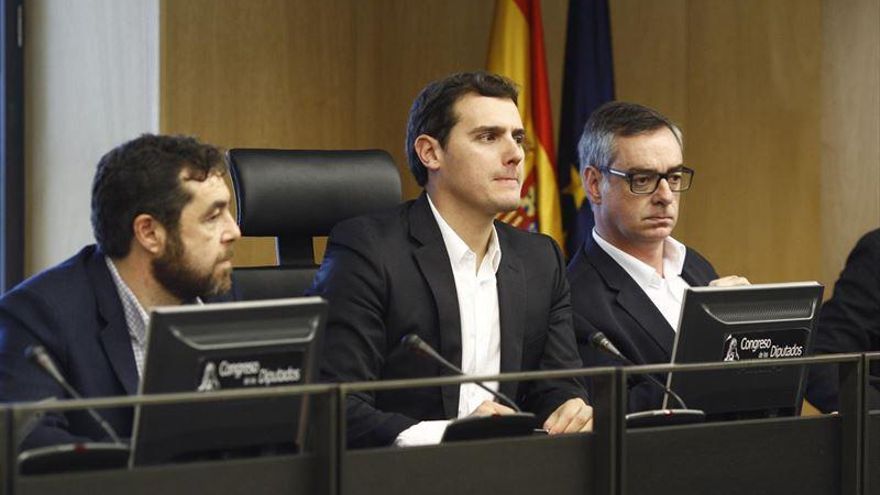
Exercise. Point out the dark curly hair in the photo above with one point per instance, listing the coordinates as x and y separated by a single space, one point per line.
143 176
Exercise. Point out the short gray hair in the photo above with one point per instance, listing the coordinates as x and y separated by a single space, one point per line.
617 118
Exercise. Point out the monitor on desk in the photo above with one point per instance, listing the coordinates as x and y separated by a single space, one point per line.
763 322
227 346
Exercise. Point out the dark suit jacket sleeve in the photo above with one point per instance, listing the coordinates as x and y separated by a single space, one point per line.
27 319
560 348
849 321
353 281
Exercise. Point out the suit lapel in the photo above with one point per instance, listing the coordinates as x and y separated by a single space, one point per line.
512 307
114 336
433 262
692 274
631 297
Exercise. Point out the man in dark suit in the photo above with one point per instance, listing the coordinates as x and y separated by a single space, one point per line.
489 297
629 276
161 218
849 322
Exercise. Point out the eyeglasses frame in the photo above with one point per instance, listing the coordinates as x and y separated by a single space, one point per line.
628 176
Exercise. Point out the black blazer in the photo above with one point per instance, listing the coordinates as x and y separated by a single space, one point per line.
605 298
388 275
849 322
74 311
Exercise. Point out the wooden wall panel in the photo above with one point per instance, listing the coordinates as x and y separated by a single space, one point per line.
850 189
259 73
742 78
753 117
399 50
746 79
650 50
263 73
317 73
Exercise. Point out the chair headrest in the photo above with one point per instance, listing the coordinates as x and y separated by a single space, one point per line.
301 193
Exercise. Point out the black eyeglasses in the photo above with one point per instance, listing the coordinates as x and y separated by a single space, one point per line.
647 182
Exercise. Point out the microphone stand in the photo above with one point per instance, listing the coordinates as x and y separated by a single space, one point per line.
71 456
652 417
476 427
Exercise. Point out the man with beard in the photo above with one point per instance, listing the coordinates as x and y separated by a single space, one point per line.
628 278
164 231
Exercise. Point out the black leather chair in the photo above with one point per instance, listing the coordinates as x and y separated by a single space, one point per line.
296 195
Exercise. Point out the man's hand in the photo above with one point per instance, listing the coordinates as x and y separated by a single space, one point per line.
489 408
729 281
573 416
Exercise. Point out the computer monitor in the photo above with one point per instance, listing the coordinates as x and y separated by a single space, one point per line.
226 346
764 322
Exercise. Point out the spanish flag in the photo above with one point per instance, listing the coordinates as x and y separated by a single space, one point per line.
516 51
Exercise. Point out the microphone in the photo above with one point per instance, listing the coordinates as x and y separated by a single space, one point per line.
38 355
647 418
414 343
601 342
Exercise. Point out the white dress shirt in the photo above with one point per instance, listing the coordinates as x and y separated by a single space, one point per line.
477 291
666 291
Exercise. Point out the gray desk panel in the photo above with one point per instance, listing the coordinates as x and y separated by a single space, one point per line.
283 474
799 456
530 465
872 450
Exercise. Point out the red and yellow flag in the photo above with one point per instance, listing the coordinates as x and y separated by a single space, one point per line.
516 51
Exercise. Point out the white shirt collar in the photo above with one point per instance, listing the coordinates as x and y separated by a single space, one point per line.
456 247
673 261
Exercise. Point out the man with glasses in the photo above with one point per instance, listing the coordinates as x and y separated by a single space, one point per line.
629 277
